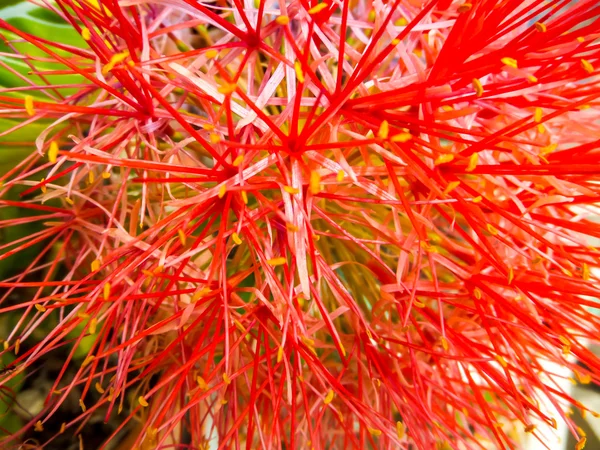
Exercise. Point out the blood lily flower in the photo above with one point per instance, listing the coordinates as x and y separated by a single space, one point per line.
261 224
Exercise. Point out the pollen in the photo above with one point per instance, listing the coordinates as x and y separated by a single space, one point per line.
529 428
222 191
501 361
237 161
106 291
227 88
511 275
492 229
95 265
291 227
226 379
53 152
116 59
276 261
329 397
82 405
244 197
201 383
585 272
93 326
29 105
142 401
40 308
17 346
63 427
214 138
511 62
478 87
182 237
282 20
401 22
395 41
291 190
315 182
85 34
477 293
105 175
532 78
451 186
445 344
400 430
587 66
38 426
444 159
99 388
473 160
279 354
537 116
318 8
87 360
69 201
384 130
236 238
374 431
340 176
401 138
299 73
212 53
91 177
465 7
541 27
581 443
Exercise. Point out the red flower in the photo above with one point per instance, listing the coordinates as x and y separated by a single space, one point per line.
327 225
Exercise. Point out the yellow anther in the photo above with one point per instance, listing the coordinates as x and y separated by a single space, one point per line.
315 182
245 197
384 130
511 275
374 431
587 66
451 186
212 53
511 62
400 430
86 34
585 273
29 105
214 138
473 160
276 261
227 88
82 405
444 159
477 293
237 161
401 22
329 397
105 175
106 292
318 8
279 354
537 116
222 191
182 237
17 346
53 152
226 379
93 326
40 308
201 383
340 176
99 388
445 344
541 27
478 87
95 265
282 20
236 239
465 7
290 190
87 360
501 360
69 201
117 58
492 229
142 401
38 426
299 73
401 138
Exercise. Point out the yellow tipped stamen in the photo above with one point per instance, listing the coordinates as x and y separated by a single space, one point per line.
212 53
17 346
276 261
86 34
477 293
182 237
245 197
473 160
237 161
214 138
87 360
478 87
541 27
315 182
63 427
82 405
580 39
53 152
445 344
5 344
222 191
451 186
585 272
340 176
384 130
227 88
38 426
581 443
374 431
105 175
400 430
69 201
226 379
492 229
529 428
318 8
587 66
142 401
236 238
329 397
201 383
511 275
91 177
95 265
510 62
116 59
40 308
282 20
401 22
279 354
532 78
106 292
29 105
291 227
395 41
99 388
444 159
501 360
465 7
290 190
537 116
401 138
93 326
548 149
299 73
